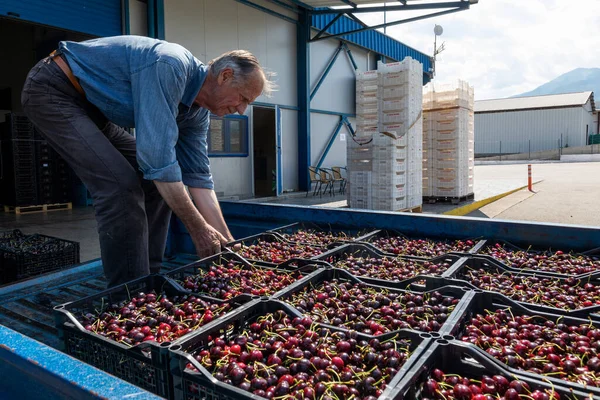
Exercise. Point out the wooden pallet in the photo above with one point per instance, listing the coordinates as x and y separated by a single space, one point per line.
417 209
445 199
38 208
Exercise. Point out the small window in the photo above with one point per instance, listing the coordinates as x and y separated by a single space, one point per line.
228 136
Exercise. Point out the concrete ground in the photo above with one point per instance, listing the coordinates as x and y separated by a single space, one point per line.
568 193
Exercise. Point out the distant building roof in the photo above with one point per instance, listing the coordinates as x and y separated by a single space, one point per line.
535 102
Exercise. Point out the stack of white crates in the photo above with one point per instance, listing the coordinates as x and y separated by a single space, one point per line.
448 142
385 157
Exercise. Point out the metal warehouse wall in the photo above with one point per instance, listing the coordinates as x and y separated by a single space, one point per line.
337 94
540 129
208 29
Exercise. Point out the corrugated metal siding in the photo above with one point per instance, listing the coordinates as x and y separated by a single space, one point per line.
541 129
524 103
94 17
372 39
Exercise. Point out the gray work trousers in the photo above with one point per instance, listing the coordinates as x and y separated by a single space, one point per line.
132 217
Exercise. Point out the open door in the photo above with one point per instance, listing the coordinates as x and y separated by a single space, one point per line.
264 131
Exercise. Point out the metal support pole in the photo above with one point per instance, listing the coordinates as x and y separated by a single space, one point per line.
529 149
303 85
349 52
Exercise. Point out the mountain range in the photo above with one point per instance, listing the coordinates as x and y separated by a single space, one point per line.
577 80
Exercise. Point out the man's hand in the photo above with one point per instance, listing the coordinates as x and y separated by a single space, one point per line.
208 241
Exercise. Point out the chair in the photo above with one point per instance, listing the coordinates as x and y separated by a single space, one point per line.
317 179
337 177
328 179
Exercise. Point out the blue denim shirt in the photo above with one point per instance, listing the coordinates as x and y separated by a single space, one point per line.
151 85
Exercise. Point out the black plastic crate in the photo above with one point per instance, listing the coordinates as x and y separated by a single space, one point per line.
34 255
453 357
266 239
179 275
317 231
487 304
467 270
399 279
528 265
146 364
18 185
14 234
450 245
312 285
200 384
16 126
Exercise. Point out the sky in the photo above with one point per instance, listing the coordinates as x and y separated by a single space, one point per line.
506 47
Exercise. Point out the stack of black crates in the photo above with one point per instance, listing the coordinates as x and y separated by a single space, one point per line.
31 172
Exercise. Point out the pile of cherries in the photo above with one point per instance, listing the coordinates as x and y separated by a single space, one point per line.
278 252
453 386
225 281
315 237
151 317
559 261
402 245
278 357
568 294
370 310
388 268
539 345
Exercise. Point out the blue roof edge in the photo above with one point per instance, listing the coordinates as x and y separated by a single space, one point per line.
372 40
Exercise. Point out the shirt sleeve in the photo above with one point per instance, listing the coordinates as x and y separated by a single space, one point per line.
157 91
192 151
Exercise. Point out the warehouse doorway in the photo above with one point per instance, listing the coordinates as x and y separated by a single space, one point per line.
32 176
266 152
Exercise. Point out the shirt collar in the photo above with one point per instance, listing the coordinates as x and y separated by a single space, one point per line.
193 87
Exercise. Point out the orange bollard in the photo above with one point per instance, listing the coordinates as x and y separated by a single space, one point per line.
529 177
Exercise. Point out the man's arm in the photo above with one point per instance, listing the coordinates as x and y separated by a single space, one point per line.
207 239
208 205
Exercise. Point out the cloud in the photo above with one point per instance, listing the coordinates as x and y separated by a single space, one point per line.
506 47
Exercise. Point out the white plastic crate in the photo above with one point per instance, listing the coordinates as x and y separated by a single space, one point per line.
366 98
389 178
394 78
394 117
362 204
389 165
367 121
367 75
394 92
389 191
369 86
362 165
367 109
390 204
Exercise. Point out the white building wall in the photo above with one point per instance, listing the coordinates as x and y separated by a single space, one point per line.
321 128
542 128
336 94
209 28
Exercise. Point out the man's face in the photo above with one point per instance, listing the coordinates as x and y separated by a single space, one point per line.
231 97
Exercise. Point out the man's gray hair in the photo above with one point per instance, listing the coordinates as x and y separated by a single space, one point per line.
243 63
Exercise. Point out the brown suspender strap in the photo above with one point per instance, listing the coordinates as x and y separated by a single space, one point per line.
67 71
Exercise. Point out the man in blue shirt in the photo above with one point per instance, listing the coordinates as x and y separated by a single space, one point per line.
83 96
